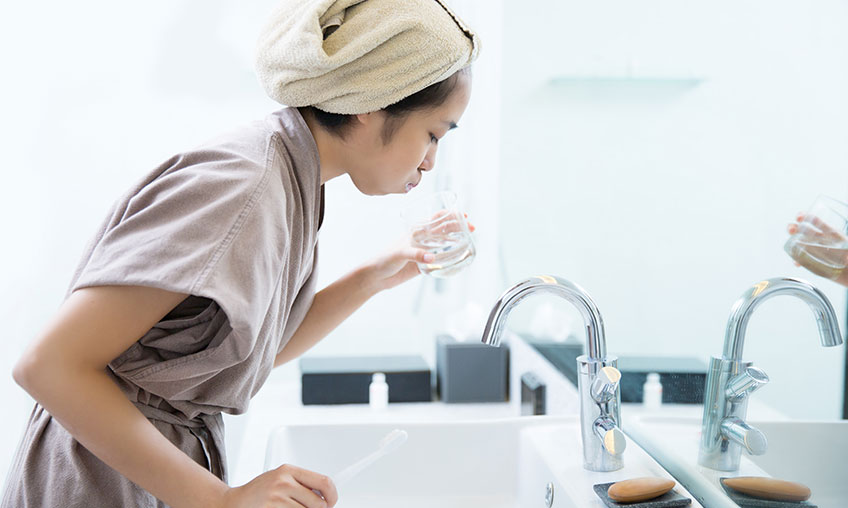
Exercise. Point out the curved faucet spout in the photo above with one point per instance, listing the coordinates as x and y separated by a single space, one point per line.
734 339
595 340
597 374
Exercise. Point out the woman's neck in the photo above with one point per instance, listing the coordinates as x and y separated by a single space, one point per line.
330 150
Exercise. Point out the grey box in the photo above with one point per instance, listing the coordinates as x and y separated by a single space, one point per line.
471 371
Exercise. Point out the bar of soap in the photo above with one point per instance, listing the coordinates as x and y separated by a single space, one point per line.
639 489
769 488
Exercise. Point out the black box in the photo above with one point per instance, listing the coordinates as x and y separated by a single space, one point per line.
683 379
345 380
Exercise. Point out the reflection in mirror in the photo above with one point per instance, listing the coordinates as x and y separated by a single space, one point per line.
662 176
663 164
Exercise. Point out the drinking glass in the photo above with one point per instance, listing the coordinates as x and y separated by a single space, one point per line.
437 225
820 243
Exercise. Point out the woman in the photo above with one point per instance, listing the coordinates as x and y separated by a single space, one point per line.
202 277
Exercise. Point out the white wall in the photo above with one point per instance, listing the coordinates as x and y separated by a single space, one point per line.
666 200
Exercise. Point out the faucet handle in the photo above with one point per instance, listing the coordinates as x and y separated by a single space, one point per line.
750 438
611 437
605 384
744 384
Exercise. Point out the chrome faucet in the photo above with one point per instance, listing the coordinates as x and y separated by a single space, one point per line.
724 432
598 377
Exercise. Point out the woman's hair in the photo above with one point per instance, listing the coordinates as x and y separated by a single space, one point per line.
431 97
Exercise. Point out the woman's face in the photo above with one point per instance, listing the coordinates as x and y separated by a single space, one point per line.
398 166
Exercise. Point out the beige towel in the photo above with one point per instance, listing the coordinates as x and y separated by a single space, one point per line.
359 56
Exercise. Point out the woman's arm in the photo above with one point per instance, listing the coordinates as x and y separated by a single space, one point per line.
65 371
339 300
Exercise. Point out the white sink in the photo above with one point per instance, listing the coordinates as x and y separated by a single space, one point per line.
812 453
505 463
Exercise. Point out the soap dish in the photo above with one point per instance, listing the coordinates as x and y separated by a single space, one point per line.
670 499
746 501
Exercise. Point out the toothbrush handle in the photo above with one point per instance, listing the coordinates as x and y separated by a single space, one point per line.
349 472
354 469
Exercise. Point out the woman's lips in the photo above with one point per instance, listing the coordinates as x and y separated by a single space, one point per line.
412 185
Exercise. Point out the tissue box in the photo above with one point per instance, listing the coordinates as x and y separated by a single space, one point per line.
345 380
471 371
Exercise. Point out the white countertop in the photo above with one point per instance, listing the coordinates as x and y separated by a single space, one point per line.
278 403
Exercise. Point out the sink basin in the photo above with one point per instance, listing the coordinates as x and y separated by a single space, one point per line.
506 463
811 453
445 465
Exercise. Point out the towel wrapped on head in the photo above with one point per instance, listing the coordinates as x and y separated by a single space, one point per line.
358 56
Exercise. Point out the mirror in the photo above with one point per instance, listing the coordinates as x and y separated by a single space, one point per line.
656 160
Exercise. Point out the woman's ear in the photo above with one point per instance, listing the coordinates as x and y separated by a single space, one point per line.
366 119
369 123
375 118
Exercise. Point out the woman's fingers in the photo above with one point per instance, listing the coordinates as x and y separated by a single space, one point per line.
820 226
284 487
443 227
413 254
422 256
308 497
308 482
444 219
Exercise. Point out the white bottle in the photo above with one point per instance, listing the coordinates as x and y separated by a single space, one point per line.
652 392
378 392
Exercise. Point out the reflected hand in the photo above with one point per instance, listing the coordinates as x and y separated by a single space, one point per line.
810 225
820 249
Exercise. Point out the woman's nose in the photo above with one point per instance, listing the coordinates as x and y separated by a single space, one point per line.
429 161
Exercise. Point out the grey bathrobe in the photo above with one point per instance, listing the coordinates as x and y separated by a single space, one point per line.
234 224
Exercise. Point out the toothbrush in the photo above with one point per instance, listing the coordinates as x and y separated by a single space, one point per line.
390 443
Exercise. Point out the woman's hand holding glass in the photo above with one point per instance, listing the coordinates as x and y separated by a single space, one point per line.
437 226
403 263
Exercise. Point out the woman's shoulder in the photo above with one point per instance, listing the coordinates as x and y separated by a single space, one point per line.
281 138
292 135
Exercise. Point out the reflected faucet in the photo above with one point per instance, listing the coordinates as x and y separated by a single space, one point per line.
598 378
724 432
